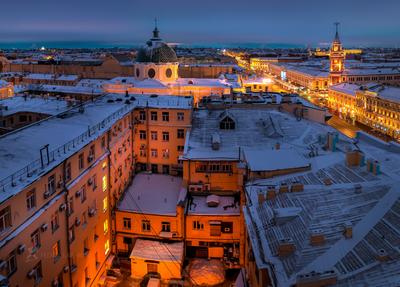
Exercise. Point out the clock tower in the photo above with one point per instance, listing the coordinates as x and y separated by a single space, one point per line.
336 57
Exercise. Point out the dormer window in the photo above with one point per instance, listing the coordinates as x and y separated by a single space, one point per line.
227 123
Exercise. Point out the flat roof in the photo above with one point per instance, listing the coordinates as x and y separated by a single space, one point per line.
346 88
227 205
157 250
269 160
153 194
34 104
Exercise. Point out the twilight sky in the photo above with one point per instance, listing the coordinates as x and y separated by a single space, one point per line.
308 22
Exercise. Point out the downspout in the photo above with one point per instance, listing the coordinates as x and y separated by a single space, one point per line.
64 187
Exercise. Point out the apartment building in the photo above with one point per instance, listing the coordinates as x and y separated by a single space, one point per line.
61 177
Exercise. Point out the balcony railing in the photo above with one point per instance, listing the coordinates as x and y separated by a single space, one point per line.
36 166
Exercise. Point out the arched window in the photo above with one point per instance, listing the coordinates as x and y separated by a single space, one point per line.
227 124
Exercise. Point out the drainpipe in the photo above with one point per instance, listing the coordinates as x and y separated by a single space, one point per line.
65 190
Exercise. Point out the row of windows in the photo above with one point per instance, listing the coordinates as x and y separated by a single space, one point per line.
146 226
164 116
180 134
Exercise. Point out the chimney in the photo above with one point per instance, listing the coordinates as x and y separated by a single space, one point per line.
348 230
286 247
283 187
317 237
261 198
296 187
277 146
271 192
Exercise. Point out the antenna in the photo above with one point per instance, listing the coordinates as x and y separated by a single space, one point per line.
337 26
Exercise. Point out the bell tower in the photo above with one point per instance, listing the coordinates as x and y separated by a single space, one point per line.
336 58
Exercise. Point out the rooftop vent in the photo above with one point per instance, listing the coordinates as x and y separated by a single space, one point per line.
261 197
296 187
283 187
348 230
215 141
382 255
327 278
357 188
212 200
317 237
286 247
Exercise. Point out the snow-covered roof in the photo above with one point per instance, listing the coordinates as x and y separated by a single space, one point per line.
389 93
256 128
373 212
269 159
227 205
35 104
157 250
20 150
4 84
346 88
152 194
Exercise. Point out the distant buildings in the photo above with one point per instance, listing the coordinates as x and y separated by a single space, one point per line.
6 89
318 75
374 105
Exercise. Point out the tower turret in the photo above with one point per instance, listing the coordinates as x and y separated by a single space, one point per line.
336 57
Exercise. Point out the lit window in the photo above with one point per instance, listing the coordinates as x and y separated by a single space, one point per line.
56 250
105 204
104 183
104 165
105 226
107 247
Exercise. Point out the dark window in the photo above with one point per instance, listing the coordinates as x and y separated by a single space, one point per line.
145 225
227 124
181 134
127 223
165 116
165 226
137 73
151 73
142 115
168 73
153 116
165 136
142 135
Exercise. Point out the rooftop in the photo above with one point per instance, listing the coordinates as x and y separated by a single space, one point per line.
153 194
255 128
157 250
346 88
227 205
65 135
334 196
34 104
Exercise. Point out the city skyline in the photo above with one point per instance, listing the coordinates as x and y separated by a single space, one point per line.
127 24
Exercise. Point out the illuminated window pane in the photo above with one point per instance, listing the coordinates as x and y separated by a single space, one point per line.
105 183
105 204
107 247
105 226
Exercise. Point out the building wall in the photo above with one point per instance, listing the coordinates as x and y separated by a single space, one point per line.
136 230
158 154
18 120
198 172
6 91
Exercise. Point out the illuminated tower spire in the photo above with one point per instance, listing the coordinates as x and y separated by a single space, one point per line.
336 58
337 39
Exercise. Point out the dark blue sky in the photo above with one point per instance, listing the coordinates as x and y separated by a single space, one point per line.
308 22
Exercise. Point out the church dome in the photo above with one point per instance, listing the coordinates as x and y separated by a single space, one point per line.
156 51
